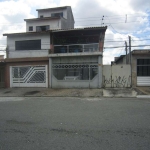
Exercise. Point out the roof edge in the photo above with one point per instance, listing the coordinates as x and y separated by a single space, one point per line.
58 30
52 8
44 18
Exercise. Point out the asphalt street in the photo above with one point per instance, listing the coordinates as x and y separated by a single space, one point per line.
59 123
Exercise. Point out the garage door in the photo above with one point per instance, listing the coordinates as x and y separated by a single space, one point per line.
143 81
28 76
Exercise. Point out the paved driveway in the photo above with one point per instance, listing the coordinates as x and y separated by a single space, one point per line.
74 124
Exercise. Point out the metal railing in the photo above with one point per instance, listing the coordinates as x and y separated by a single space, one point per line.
76 48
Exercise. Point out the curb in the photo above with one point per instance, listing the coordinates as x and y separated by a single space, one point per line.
143 96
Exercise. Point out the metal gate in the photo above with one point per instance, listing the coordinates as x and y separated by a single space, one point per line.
83 75
28 76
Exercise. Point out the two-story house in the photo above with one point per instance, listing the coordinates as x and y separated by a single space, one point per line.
52 53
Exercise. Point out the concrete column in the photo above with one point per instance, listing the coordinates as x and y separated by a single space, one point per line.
134 72
101 41
100 73
50 72
52 48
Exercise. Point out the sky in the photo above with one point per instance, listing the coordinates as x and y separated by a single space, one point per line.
122 18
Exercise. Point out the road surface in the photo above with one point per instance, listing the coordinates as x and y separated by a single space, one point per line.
59 123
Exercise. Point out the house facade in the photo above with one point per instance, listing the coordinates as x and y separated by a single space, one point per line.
140 66
52 53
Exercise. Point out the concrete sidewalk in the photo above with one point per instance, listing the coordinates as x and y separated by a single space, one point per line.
48 92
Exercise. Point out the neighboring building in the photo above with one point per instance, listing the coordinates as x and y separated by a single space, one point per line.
119 60
140 66
1 57
55 56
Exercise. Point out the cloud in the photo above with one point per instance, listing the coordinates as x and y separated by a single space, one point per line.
139 5
11 15
123 18
39 4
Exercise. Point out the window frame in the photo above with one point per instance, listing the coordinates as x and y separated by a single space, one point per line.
30 28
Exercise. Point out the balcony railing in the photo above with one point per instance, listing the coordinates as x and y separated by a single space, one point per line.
76 48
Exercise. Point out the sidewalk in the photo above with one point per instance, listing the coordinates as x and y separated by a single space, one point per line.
38 92
48 92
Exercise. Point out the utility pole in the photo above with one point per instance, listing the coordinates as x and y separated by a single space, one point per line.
126 52
130 48
130 57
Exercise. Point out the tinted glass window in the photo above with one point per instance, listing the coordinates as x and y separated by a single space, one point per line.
28 45
42 28
143 61
143 67
31 28
57 14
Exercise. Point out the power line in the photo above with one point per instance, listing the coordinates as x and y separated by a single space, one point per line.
115 15
142 40
81 48
110 18
111 23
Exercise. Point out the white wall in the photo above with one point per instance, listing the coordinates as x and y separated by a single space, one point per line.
116 76
45 45
54 24
70 18
63 23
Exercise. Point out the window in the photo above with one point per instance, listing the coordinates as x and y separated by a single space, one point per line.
143 67
42 28
28 45
57 14
75 71
30 28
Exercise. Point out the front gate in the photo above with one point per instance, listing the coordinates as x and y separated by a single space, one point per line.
28 76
